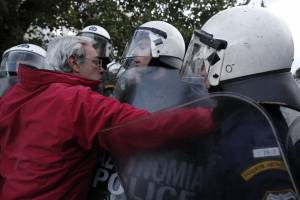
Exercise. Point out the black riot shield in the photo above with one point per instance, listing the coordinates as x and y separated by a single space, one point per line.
217 147
106 184
148 87
155 88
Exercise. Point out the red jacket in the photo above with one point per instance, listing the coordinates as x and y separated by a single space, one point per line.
48 125
51 125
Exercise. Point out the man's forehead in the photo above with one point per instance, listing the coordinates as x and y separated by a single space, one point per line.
90 50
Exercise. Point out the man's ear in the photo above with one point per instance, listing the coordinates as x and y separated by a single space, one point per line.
73 63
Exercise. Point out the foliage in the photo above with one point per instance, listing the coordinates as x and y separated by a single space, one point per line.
119 17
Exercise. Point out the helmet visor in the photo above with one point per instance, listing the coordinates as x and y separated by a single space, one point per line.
201 55
11 61
102 45
144 46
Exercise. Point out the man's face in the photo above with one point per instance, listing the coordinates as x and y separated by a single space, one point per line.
90 68
141 53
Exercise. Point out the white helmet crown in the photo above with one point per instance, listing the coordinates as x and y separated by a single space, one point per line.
174 45
28 48
257 42
165 43
28 54
98 30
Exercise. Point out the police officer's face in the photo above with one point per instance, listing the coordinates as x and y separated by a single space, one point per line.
141 53
204 74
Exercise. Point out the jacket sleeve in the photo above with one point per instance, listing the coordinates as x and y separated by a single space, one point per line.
144 131
158 129
92 113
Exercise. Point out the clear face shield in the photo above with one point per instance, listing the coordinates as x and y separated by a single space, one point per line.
145 44
11 61
201 56
103 47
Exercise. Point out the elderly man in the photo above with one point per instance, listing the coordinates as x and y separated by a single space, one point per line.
51 124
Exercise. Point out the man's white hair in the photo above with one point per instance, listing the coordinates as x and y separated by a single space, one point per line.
61 48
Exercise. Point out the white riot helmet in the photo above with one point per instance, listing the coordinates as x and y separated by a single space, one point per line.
247 50
158 41
103 41
115 68
28 54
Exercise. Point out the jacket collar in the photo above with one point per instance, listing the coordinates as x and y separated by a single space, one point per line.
33 78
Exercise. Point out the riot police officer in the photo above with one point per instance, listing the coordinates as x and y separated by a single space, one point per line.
103 43
249 51
151 80
28 54
152 60
104 48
